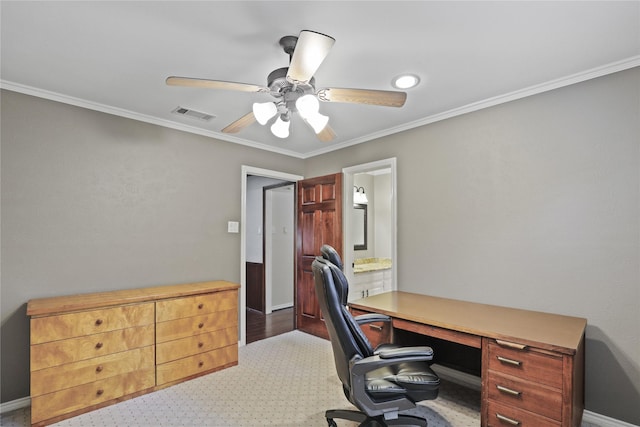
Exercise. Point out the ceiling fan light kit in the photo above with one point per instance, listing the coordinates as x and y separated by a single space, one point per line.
294 89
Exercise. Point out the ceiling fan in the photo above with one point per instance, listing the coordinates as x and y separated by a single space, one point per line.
293 88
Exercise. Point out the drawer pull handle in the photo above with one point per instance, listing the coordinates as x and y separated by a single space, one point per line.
100 392
509 361
200 364
376 327
509 391
99 368
508 420
511 345
200 325
98 322
200 306
99 345
200 344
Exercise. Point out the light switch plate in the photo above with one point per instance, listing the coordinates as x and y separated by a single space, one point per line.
233 227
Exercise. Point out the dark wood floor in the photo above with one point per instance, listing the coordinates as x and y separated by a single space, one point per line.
261 326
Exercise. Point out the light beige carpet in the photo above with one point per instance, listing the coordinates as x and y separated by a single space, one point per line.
287 380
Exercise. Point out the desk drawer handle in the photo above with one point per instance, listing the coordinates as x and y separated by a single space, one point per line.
509 391
200 306
509 361
511 345
508 420
376 327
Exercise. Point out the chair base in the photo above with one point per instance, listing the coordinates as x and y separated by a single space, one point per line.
366 421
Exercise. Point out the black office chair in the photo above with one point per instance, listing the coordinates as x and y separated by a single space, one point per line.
382 383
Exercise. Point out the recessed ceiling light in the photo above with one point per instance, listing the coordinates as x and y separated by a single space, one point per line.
405 81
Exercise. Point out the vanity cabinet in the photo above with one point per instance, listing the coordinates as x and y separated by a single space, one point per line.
93 350
370 283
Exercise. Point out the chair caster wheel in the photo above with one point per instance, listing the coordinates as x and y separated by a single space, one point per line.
331 422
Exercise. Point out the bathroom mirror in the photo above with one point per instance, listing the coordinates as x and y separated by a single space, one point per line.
359 227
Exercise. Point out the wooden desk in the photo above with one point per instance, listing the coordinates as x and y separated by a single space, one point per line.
532 362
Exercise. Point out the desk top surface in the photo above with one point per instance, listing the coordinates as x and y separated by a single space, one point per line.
549 331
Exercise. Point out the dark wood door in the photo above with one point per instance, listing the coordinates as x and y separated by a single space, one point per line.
319 222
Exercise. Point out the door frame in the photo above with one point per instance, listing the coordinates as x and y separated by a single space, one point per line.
245 172
347 195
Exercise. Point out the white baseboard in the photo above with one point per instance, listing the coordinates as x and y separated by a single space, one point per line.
602 421
467 380
15 404
282 306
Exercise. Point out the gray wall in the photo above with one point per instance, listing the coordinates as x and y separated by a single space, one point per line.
531 204
94 202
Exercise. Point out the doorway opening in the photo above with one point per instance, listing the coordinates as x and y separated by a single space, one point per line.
266 233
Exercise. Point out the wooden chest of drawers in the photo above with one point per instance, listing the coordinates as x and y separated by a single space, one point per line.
93 350
196 334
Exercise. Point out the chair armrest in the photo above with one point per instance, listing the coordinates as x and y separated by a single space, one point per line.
359 367
393 353
364 319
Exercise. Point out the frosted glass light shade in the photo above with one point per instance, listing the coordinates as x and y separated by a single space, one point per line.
280 128
317 122
264 111
307 105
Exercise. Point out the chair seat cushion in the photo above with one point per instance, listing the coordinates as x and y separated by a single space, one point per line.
416 380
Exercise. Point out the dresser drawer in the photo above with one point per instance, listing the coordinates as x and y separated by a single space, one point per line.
51 405
196 305
182 328
74 349
87 371
528 364
499 415
525 395
177 349
63 326
197 364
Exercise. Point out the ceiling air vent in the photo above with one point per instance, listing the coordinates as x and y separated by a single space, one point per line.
181 111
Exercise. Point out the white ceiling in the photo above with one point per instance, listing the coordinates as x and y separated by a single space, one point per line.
115 56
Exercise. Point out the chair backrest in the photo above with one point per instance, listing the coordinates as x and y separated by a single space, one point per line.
347 339
330 254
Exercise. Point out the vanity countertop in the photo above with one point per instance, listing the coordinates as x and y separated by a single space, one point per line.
363 265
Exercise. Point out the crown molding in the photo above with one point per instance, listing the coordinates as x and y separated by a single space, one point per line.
593 73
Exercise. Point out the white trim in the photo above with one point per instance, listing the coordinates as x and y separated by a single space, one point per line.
282 306
593 73
23 402
603 421
95 106
245 172
347 200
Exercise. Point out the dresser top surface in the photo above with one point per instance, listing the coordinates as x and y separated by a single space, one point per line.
67 303
550 331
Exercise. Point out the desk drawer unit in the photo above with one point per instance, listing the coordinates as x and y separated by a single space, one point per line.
89 357
524 386
376 332
196 335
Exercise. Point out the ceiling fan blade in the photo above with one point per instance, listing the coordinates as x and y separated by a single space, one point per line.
327 134
240 124
386 98
214 84
311 49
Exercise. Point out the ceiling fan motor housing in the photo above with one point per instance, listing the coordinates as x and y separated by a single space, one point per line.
280 87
